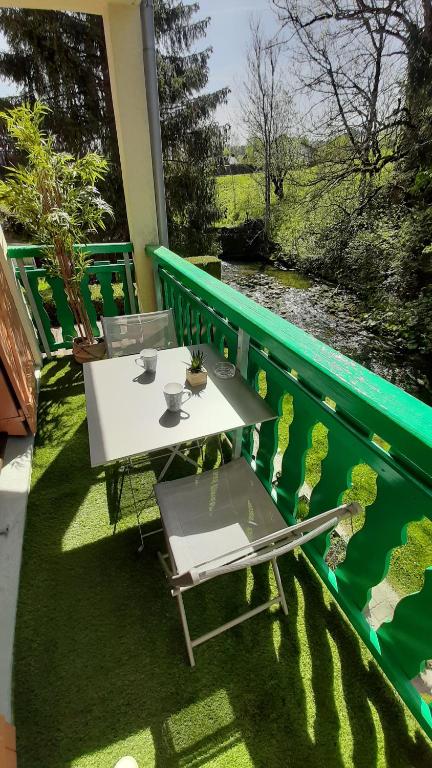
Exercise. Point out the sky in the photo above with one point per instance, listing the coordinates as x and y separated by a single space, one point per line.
5 88
228 35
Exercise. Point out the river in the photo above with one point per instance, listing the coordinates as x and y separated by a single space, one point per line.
331 315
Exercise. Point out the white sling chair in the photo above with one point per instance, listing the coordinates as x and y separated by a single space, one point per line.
129 334
222 521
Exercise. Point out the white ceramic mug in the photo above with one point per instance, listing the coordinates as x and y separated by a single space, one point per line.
174 396
147 359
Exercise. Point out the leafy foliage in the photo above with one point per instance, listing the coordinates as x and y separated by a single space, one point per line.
197 360
192 141
60 58
54 196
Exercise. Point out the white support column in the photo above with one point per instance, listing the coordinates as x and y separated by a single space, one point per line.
124 45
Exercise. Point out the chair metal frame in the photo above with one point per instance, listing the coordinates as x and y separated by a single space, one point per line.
266 549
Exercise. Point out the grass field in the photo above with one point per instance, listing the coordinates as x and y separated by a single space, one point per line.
294 218
100 668
240 197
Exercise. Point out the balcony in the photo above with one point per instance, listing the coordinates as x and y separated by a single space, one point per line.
100 668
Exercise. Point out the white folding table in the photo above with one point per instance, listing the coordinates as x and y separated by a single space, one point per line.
126 409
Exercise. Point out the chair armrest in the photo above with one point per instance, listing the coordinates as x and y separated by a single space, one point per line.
267 547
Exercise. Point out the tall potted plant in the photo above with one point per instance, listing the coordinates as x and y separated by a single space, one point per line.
53 195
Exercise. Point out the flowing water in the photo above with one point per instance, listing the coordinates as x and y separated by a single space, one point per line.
331 315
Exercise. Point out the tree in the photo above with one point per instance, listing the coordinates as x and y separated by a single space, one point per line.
374 60
266 113
285 157
366 66
54 196
192 141
348 62
60 58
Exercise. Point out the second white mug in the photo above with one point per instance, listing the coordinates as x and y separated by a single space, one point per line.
148 360
174 395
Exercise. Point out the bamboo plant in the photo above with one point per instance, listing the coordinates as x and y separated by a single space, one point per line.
55 198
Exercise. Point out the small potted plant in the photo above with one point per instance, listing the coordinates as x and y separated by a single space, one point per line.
55 198
196 374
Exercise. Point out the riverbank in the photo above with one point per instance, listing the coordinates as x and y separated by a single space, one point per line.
332 315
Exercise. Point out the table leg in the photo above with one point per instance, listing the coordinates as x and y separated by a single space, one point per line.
112 472
237 440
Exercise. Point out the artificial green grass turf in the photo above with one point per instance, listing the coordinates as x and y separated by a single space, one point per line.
100 663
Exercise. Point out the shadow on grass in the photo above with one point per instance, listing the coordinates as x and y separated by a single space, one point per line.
100 659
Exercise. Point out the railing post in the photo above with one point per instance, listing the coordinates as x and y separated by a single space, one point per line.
157 285
242 359
35 311
243 340
129 283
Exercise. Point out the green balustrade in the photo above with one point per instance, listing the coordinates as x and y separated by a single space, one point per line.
352 405
102 273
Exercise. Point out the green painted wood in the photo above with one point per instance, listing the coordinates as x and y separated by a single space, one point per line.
63 310
109 306
92 249
174 302
268 435
103 271
367 560
350 426
408 637
377 405
187 320
293 462
210 323
231 343
218 336
195 323
178 312
400 500
166 293
163 289
126 297
33 278
335 478
205 330
420 709
171 303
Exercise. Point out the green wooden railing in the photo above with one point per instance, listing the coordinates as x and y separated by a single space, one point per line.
103 273
355 406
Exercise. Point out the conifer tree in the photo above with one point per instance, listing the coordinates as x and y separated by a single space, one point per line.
60 59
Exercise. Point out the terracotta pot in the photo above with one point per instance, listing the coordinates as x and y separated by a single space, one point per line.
87 352
198 379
